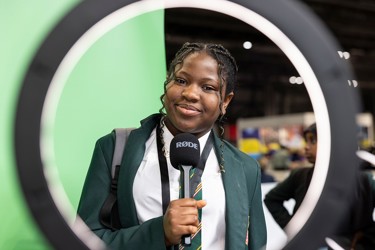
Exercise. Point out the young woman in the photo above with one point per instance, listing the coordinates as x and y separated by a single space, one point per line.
198 89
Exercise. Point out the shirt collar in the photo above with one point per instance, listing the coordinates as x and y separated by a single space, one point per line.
167 136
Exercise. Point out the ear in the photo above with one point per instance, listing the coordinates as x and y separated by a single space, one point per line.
227 100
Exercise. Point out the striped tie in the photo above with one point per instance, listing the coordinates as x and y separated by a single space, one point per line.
195 181
195 238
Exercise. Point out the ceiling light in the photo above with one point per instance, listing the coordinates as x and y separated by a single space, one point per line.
292 79
247 45
299 80
344 54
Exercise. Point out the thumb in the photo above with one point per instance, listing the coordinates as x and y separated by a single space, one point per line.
201 203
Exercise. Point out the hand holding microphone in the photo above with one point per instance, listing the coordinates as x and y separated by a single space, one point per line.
184 155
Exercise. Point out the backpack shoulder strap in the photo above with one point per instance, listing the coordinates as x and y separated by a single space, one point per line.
121 138
109 216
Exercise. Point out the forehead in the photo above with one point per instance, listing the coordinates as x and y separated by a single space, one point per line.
200 58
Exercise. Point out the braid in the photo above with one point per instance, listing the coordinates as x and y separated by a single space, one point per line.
227 71
227 65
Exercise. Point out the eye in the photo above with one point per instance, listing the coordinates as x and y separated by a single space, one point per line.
209 88
311 141
180 81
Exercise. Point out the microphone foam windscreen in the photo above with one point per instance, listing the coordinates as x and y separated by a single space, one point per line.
184 150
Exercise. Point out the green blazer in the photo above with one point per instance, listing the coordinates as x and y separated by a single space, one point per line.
244 212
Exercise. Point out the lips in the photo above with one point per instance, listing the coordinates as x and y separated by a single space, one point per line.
188 110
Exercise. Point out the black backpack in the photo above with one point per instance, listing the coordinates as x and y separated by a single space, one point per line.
109 215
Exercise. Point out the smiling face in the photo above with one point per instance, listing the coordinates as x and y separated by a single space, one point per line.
192 99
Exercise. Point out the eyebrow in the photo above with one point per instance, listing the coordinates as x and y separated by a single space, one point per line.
184 73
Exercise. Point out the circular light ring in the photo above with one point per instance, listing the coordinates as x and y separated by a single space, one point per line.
324 74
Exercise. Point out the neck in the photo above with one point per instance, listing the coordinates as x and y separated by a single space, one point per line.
175 131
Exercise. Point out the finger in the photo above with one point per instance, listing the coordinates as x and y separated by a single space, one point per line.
182 215
188 229
173 233
185 202
182 219
192 229
181 211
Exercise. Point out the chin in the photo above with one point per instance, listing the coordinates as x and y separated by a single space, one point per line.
311 161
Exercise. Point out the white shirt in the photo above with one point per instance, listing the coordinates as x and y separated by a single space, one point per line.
147 190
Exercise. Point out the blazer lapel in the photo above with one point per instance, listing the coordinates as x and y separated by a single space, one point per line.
133 155
237 209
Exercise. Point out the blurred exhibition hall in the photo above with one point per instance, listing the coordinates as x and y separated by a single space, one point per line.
272 107
271 97
58 98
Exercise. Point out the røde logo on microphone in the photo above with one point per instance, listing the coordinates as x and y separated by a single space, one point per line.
186 144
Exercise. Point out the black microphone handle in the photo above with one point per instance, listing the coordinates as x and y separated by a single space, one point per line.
186 239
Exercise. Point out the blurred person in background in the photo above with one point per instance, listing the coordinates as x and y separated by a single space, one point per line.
295 185
357 230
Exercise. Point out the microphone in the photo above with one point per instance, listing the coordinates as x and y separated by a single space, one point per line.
185 155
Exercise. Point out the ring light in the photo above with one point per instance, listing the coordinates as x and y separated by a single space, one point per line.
293 28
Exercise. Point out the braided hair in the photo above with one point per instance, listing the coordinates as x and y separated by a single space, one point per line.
227 70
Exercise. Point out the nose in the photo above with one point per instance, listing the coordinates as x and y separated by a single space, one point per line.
191 92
